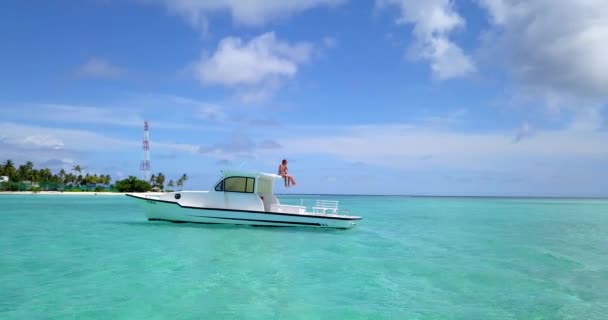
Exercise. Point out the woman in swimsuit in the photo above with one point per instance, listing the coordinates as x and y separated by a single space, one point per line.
284 173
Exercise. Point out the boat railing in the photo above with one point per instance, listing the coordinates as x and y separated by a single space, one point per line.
326 206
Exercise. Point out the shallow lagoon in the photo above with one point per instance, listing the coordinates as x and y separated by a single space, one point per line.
95 257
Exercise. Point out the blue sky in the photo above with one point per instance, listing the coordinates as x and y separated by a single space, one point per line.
484 97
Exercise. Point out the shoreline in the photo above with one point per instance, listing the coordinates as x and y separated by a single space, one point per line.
84 193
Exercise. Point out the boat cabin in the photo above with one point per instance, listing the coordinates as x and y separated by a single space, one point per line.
247 188
237 190
241 190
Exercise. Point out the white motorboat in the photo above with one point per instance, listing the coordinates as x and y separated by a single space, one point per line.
242 197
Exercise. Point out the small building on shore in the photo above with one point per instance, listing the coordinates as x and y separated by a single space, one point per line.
3 179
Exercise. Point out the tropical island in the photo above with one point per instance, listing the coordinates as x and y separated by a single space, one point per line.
26 177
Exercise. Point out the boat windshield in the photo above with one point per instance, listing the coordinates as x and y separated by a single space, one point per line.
236 184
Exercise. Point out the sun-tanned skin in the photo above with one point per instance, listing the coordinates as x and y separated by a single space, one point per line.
283 172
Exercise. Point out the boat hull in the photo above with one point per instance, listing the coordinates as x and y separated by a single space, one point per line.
160 210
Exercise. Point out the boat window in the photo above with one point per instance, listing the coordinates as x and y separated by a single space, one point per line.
220 186
238 184
249 186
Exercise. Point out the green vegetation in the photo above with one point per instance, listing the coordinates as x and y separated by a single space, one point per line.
27 178
132 184
181 181
158 181
10 186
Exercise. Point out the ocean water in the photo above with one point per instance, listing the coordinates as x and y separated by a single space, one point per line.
96 257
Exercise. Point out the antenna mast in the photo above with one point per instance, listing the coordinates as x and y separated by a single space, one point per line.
145 163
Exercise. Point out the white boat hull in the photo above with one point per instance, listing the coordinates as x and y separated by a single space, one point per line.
173 211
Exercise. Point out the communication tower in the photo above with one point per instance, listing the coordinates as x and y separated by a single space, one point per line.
145 163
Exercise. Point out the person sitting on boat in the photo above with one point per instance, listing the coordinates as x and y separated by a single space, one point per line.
284 173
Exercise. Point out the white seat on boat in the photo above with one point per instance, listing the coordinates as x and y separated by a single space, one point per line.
325 206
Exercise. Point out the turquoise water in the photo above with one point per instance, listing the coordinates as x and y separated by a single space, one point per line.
95 257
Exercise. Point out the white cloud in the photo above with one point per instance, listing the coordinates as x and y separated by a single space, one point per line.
265 57
176 147
407 146
588 119
58 148
32 141
255 67
80 114
556 50
99 68
26 136
247 13
113 114
53 147
239 146
227 116
433 21
49 139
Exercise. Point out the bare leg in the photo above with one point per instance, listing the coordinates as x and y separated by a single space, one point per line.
293 182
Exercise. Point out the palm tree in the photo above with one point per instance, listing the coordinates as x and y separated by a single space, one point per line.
160 180
181 181
25 171
45 175
30 173
9 164
35 176
104 179
170 184
153 180
70 178
62 176
77 168
9 170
